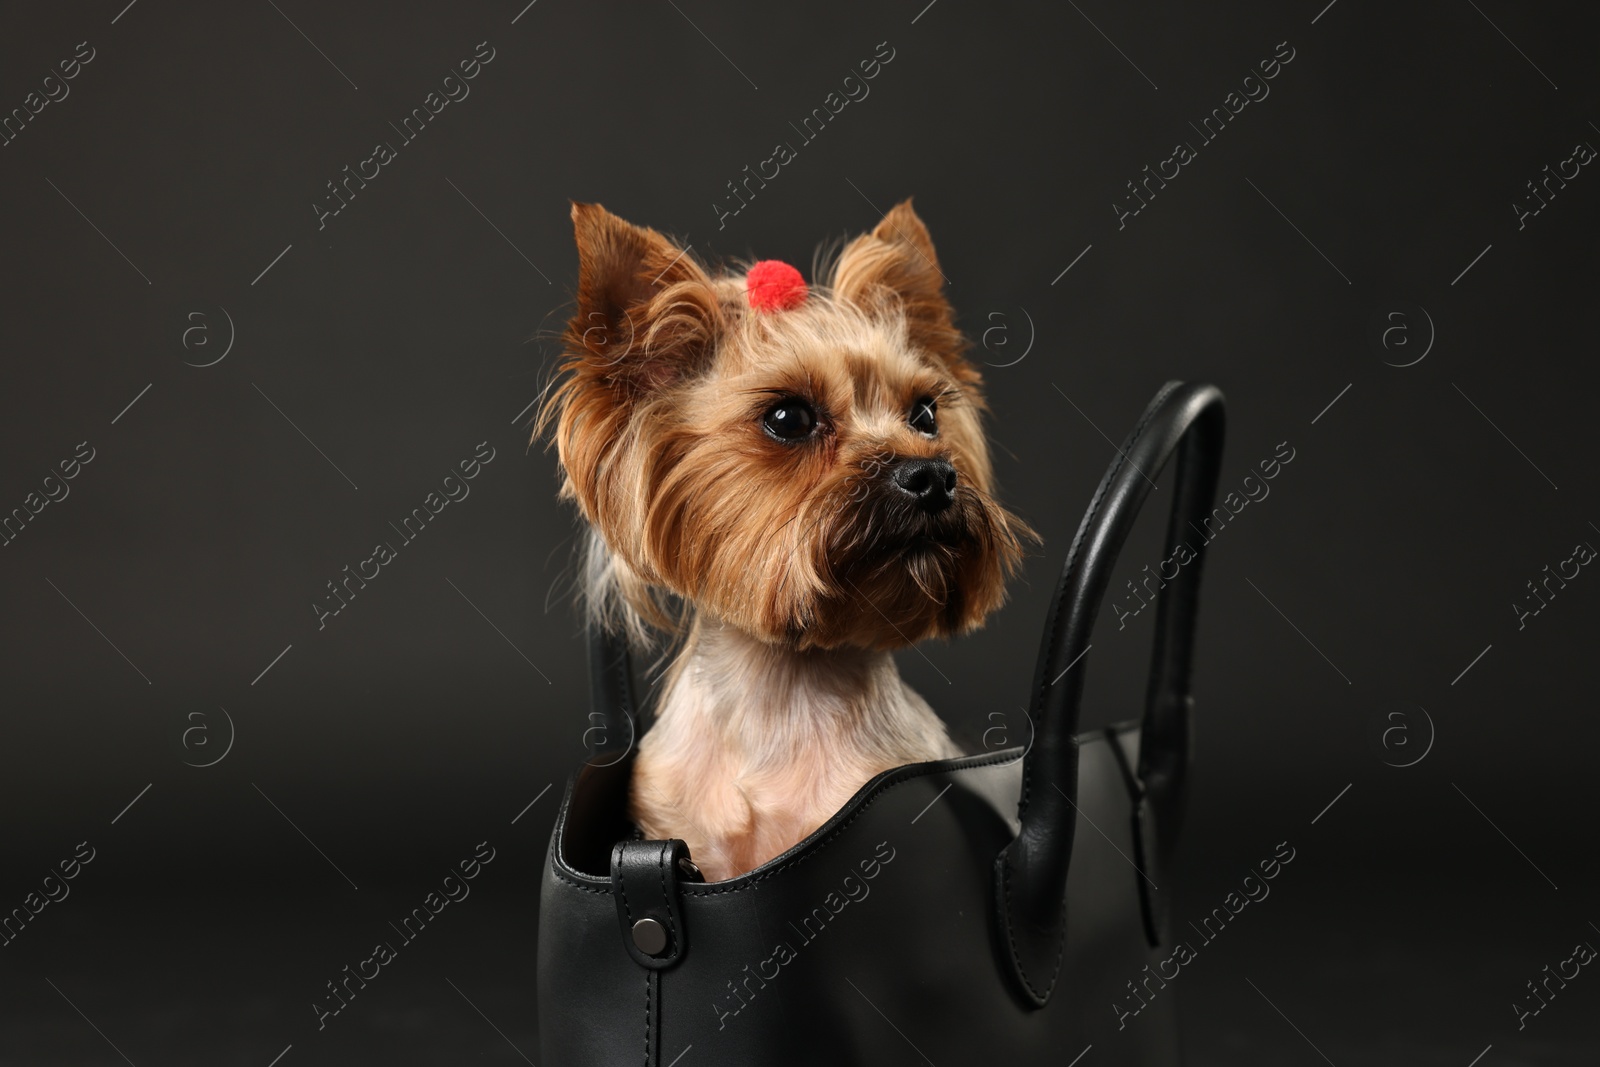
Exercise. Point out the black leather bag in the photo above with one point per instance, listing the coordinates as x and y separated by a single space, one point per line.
951 912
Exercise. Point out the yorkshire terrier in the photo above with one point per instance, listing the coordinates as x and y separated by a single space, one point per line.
792 482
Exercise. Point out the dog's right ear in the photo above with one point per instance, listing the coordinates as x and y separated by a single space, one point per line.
647 314
647 317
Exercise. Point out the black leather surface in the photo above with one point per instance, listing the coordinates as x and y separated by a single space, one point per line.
876 968
1030 872
615 720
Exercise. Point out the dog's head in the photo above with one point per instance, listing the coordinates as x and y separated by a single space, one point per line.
808 467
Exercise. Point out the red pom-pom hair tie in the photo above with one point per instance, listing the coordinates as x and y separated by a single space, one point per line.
773 285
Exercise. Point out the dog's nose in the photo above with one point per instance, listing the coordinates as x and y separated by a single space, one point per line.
930 482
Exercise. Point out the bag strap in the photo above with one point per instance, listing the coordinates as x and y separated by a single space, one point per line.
644 885
612 712
1031 872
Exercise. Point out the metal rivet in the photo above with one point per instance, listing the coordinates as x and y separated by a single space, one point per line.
650 937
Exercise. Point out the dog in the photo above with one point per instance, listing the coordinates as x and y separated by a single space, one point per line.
787 482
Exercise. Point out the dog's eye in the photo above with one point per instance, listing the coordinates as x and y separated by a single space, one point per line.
923 416
790 419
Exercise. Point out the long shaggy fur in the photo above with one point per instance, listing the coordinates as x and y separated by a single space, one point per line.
796 562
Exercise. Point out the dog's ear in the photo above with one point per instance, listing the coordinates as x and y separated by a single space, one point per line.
895 268
646 311
647 317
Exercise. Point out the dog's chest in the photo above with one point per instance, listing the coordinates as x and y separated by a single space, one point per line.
745 760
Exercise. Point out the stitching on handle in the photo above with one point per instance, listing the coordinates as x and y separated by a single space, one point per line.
622 886
1113 739
1011 937
662 859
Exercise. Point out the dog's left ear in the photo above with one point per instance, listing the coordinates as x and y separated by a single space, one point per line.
895 267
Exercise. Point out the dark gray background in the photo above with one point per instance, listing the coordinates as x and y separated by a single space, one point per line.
188 554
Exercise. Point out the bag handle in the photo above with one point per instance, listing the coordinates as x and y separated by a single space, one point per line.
1031 872
611 695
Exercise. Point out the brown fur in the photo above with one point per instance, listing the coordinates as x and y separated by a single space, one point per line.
799 565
